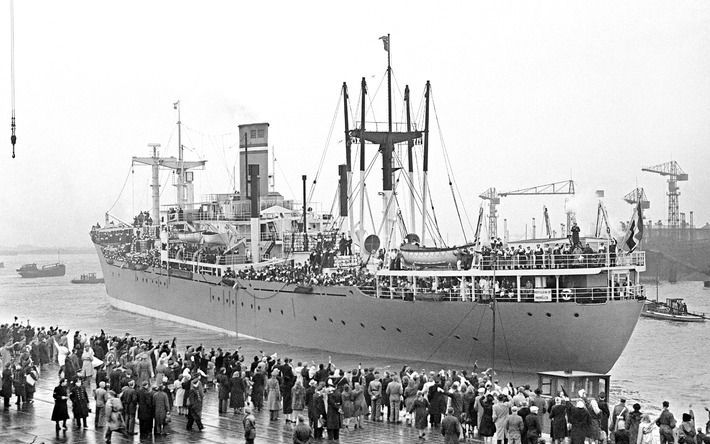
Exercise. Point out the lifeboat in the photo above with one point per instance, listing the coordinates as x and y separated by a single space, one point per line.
213 238
193 237
430 256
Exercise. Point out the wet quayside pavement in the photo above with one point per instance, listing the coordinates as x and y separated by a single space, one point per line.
32 422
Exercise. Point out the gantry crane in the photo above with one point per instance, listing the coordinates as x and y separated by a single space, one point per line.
675 174
493 198
636 196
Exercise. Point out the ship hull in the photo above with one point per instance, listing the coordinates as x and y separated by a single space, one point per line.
530 337
59 270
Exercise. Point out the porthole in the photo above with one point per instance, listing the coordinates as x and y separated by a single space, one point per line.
218 299
529 314
549 315
258 307
315 318
252 306
383 328
331 320
282 312
362 325
233 302
398 330
475 339
242 303
576 315
269 309
342 322
457 337
431 334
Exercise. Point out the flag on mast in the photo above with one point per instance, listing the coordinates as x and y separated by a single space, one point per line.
634 233
386 41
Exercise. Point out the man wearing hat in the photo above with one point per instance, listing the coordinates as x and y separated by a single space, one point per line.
161 409
145 409
194 411
129 398
620 412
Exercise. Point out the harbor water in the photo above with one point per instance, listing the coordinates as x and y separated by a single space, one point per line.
662 361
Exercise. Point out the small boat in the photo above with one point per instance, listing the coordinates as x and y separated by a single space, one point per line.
32 271
213 238
88 278
431 256
2 264
193 237
674 309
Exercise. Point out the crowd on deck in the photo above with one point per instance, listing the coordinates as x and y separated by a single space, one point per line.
127 381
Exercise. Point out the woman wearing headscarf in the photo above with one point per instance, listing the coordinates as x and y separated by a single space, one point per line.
420 408
273 395
360 403
298 396
558 421
333 421
579 421
686 430
237 390
60 411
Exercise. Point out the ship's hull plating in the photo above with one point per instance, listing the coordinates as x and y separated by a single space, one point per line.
530 337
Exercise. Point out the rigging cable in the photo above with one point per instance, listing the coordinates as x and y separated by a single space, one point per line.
325 150
13 137
505 343
130 170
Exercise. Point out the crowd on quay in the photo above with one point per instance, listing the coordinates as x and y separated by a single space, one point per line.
140 381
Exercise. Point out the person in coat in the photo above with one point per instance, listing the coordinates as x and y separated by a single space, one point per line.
487 428
633 423
514 426
360 404
451 427
223 389
6 389
60 413
558 421
410 395
145 410
161 409
532 425
129 398
436 400
288 379
333 421
298 397
18 384
374 390
394 394
237 387
316 408
420 407
194 410
114 416
273 396
501 410
100 397
579 421
348 405
79 403
257 389
87 366
302 433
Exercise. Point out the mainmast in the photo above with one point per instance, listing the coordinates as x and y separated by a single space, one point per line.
13 137
348 161
181 165
410 164
425 185
361 237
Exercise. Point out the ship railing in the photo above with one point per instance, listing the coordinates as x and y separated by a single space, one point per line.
557 261
588 295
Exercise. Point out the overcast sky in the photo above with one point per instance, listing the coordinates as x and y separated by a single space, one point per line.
526 93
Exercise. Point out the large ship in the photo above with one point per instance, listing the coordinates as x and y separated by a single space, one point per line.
253 263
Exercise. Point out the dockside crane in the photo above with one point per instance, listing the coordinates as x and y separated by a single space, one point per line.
636 196
493 198
675 174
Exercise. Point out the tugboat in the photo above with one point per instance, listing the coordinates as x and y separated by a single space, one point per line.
50 270
674 309
88 278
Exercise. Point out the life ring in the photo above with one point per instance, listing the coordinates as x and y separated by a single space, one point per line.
566 294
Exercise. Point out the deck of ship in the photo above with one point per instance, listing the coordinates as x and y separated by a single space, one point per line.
22 426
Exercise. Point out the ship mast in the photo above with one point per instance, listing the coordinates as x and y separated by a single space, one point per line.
348 161
425 184
361 237
181 164
13 137
410 165
387 148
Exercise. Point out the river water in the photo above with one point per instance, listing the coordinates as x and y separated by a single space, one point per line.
662 361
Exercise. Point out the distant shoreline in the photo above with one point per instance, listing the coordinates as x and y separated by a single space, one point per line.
15 252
